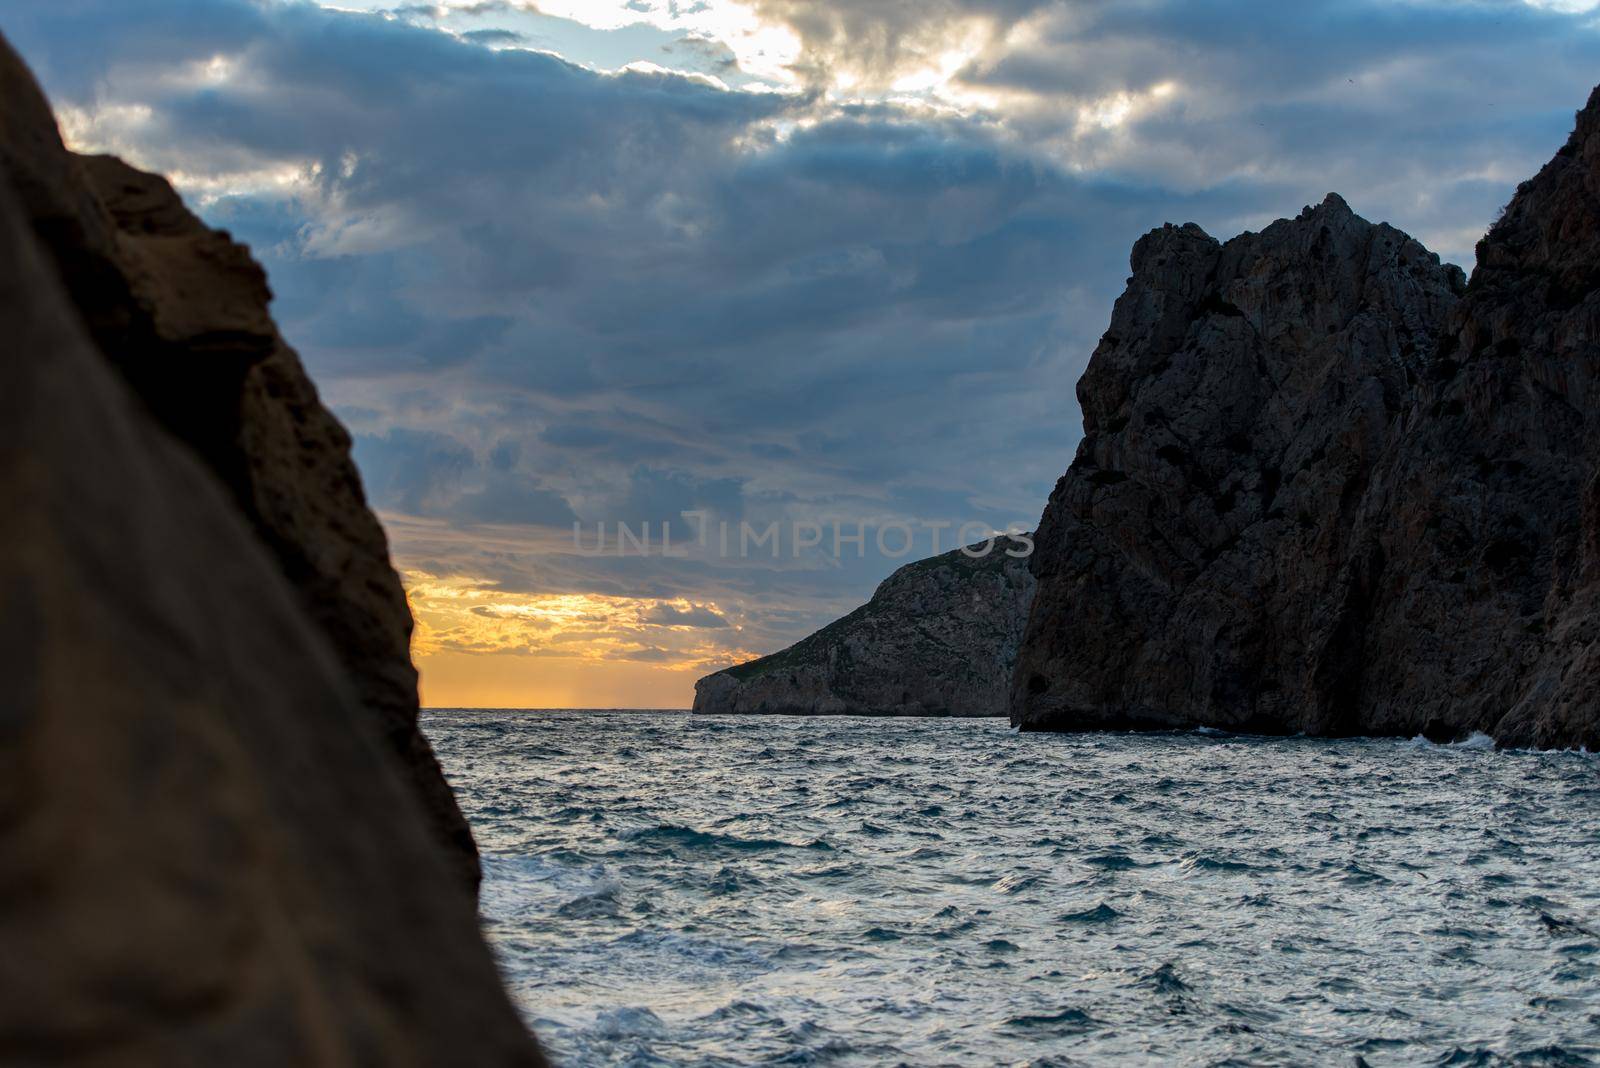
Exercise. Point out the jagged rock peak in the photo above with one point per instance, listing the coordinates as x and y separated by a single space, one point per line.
1233 412
1332 205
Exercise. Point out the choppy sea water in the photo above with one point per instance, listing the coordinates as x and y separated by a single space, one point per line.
664 889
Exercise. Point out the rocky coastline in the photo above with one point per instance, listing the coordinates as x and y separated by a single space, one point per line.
1327 486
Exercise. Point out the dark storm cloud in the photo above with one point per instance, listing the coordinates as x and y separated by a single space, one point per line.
424 473
412 471
1267 49
516 499
1347 89
541 293
660 496
1424 112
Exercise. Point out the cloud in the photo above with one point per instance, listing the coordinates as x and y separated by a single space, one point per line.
511 499
430 474
872 42
494 37
411 471
542 290
666 615
663 496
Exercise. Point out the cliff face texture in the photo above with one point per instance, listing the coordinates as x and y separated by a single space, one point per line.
210 852
938 638
181 311
1324 488
1484 566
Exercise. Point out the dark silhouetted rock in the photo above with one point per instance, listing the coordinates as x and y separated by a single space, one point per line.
1233 415
1320 490
938 638
181 311
207 854
1482 541
213 845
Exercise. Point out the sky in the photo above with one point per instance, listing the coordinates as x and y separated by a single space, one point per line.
715 265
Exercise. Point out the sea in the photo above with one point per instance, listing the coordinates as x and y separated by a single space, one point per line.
669 889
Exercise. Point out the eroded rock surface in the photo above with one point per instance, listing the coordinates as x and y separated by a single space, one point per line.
938 638
207 855
212 850
1483 538
181 311
1324 488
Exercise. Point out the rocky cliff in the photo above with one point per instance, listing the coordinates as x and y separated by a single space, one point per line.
938 638
1324 487
212 848
180 311
1479 569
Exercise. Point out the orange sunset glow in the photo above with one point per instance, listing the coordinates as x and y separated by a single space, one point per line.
480 647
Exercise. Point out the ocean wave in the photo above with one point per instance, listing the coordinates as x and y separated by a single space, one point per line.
763 914
689 838
1016 882
1477 740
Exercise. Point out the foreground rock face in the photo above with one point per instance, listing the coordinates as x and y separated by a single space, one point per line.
1324 489
938 638
209 852
206 854
181 311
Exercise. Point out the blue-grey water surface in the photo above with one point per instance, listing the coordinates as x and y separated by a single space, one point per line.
664 889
